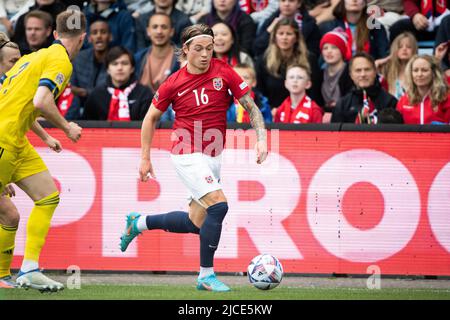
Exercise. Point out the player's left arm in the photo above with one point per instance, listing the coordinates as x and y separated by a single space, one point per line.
51 142
257 121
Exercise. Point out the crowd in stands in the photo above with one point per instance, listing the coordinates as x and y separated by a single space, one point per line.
306 61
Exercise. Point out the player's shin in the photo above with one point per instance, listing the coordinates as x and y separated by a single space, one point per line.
7 239
176 221
210 233
37 229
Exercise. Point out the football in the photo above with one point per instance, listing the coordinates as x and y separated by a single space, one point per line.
265 272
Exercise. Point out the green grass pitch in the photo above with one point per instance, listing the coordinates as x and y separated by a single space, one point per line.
189 292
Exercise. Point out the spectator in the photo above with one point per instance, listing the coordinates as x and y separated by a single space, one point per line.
295 10
403 48
367 98
157 62
335 79
424 18
89 68
121 98
442 49
53 7
351 15
38 31
236 112
298 107
9 8
226 47
179 21
9 54
427 95
195 9
230 12
286 46
121 23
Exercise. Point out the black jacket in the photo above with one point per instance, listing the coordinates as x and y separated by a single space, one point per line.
351 104
97 104
310 32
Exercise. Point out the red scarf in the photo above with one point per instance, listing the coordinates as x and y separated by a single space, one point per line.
303 112
367 114
426 8
348 31
65 100
119 109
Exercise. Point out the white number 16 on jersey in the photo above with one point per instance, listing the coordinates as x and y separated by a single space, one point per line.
203 97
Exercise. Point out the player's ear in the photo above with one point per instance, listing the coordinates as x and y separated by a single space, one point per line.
185 49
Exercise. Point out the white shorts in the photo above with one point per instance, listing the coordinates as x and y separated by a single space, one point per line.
200 173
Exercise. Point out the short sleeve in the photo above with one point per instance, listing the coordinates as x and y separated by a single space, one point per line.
55 75
162 98
237 85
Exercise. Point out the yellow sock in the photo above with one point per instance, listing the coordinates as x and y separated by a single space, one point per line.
38 225
7 238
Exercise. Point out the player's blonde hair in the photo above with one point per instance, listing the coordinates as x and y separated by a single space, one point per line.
439 89
70 23
5 42
189 33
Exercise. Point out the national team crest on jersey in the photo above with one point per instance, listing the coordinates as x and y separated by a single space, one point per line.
59 78
217 83
209 179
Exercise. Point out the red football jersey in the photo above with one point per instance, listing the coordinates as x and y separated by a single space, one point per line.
200 102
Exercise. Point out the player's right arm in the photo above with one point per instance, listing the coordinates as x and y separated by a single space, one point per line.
44 101
147 132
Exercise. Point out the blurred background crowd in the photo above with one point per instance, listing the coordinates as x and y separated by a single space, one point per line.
306 61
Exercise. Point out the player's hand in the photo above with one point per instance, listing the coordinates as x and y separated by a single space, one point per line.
53 144
146 170
9 191
420 21
261 151
74 132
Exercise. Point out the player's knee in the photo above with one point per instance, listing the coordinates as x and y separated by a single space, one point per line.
9 216
218 211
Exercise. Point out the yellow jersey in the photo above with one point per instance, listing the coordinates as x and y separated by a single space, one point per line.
49 67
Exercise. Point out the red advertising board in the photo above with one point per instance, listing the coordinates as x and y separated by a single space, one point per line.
325 202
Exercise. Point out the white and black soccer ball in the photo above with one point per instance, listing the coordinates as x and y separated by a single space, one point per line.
265 272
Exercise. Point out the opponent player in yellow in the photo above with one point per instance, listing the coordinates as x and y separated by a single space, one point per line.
28 90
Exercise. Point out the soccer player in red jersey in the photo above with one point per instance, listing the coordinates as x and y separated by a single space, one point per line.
199 95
